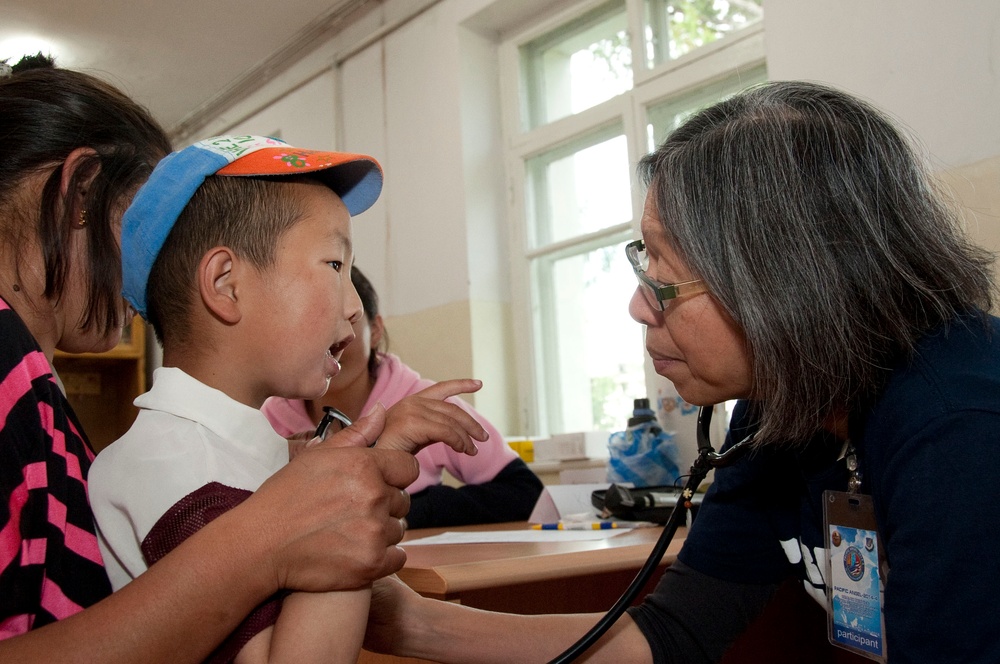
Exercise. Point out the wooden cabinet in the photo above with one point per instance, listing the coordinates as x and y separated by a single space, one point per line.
102 386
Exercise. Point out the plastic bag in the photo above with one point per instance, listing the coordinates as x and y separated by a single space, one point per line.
643 455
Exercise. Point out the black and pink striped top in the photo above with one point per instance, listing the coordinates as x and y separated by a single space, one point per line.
50 563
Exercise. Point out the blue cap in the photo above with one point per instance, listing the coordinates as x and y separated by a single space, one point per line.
147 222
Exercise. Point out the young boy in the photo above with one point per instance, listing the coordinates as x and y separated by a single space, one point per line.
238 252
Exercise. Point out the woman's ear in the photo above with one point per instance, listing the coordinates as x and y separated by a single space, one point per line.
217 284
75 200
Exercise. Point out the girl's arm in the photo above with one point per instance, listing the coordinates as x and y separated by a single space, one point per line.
509 496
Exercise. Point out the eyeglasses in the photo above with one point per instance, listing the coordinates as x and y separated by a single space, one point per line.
656 293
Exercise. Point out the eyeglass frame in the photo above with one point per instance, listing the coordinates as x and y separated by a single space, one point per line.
663 292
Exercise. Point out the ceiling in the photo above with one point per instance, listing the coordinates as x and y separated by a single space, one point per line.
177 58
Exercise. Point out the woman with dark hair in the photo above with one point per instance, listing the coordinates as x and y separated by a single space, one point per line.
794 256
73 150
498 485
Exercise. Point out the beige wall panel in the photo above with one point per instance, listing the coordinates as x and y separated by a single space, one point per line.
976 188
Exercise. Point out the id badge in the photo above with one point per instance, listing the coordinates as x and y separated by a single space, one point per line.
855 577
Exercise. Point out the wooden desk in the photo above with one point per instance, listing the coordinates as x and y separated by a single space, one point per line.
524 577
575 577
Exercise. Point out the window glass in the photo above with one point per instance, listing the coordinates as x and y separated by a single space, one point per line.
592 350
676 27
579 187
586 361
667 116
577 66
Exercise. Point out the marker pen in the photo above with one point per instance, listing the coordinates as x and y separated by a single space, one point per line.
596 525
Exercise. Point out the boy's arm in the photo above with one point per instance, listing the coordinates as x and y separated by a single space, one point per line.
325 628
328 524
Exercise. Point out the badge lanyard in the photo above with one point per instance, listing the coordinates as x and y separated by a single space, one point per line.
855 568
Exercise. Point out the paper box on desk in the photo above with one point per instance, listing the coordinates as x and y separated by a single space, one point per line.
569 446
560 502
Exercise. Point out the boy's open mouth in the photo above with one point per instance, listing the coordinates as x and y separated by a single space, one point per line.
338 348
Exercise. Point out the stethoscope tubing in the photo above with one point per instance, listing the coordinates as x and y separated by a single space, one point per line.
707 459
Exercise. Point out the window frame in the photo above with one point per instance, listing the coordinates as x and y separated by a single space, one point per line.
741 51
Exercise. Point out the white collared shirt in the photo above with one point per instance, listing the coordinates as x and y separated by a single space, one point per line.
187 435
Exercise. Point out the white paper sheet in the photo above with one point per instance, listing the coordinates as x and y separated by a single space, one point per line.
565 502
494 536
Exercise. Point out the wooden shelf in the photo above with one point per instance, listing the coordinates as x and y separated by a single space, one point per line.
102 386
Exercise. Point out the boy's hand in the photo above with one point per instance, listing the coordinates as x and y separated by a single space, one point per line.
425 417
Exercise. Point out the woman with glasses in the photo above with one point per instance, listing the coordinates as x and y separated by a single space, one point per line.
795 256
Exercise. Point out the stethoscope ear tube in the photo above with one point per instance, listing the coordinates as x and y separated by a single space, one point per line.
329 415
707 459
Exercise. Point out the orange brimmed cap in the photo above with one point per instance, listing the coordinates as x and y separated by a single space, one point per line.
356 178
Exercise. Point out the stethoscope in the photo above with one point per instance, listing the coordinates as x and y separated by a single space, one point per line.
707 459
329 415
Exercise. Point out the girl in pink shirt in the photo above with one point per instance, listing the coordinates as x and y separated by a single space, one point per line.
498 485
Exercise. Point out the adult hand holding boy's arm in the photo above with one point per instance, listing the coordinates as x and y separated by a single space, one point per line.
426 417
334 513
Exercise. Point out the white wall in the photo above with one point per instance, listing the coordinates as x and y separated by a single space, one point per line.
422 97
934 66
362 129
294 119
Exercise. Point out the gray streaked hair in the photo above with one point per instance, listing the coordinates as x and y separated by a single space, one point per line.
817 228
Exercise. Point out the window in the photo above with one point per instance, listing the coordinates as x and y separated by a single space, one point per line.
674 28
584 100
577 66
575 188
665 116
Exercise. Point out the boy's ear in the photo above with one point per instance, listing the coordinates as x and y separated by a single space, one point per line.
217 284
